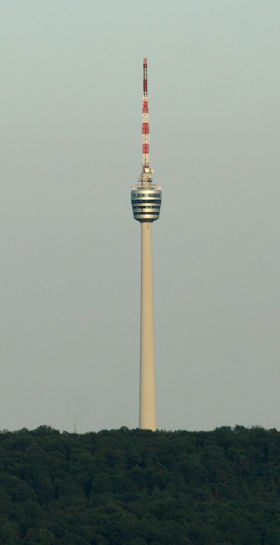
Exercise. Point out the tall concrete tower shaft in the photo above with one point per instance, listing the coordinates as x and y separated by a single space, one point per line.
146 202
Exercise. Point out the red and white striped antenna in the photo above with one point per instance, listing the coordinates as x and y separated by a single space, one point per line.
145 120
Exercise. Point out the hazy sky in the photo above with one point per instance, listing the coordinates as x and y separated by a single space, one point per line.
70 136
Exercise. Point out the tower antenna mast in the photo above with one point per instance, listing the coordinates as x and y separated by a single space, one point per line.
145 119
146 202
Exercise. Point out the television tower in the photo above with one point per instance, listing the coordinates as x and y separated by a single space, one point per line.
146 201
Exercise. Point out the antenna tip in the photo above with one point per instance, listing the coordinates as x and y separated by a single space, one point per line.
145 61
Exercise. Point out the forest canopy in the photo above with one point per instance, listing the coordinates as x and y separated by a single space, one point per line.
135 487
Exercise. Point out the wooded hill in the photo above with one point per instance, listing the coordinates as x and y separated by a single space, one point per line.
138 487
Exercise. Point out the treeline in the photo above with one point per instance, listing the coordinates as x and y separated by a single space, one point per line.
140 488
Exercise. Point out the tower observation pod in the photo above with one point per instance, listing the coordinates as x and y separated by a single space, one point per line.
146 201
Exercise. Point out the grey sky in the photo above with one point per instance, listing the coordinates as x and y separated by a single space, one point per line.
70 250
